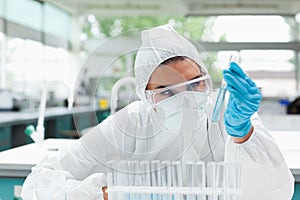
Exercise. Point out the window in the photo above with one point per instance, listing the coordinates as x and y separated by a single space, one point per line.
57 22
273 64
251 29
31 63
25 12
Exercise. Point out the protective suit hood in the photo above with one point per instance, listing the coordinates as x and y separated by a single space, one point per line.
159 44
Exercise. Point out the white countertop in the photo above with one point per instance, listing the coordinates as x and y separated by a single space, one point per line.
13 117
18 162
289 144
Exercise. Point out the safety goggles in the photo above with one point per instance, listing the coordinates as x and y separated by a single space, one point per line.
200 84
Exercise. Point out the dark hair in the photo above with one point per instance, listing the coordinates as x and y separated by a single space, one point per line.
173 59
176 59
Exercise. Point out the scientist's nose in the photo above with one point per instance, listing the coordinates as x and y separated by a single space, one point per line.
105 194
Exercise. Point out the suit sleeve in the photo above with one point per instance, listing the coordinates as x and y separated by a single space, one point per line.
265 174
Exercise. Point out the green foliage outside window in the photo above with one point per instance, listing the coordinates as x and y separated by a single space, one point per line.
196 28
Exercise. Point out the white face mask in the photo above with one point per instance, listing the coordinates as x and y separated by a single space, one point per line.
183 111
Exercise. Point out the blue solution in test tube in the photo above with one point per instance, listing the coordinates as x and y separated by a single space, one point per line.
219 102
221 96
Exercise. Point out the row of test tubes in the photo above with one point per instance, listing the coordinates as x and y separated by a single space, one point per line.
173 180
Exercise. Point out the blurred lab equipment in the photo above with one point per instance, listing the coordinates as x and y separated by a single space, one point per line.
38 134
6 102
294 106
212 180
126 81
129 84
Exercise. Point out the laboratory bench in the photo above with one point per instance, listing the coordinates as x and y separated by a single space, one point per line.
59 122
16 163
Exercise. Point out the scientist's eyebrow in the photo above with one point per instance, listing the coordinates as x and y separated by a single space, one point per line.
164 86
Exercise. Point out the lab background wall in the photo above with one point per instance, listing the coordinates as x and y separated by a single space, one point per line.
273 114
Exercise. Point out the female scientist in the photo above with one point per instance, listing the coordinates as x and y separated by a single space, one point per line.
172 122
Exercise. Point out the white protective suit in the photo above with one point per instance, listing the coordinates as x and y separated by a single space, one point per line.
134 133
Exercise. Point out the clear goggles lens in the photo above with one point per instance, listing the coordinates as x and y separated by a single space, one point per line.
200 84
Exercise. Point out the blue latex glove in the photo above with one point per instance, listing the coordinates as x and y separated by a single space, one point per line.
243 101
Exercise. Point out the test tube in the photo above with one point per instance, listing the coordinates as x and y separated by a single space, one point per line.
200 178
221 95
134 178
232 180
122 178
211 173
112 178
237 177
145 178
221 179
166 178
155 177
176 171
190 178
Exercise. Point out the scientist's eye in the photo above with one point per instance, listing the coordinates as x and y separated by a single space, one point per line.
167 93
197 86
193 86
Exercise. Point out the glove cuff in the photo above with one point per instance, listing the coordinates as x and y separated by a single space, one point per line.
238 130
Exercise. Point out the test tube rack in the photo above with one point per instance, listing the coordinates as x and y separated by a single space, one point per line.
173 180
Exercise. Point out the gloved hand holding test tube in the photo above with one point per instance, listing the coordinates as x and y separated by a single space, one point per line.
221 96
